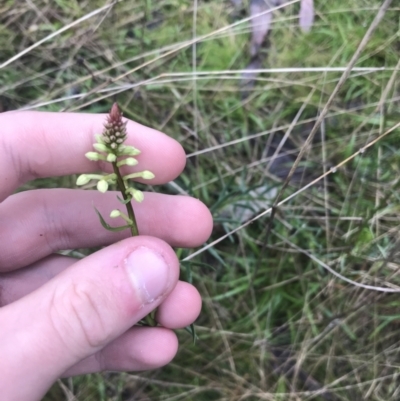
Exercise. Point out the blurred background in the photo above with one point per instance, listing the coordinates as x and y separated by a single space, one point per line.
242 85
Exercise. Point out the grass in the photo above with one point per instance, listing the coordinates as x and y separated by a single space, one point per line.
276 325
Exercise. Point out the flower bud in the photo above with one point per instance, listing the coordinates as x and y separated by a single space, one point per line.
138 196
135 194
94 156
147 175
111 157
102 186
129 150
100 147
115 213
129 161
82 179
115 114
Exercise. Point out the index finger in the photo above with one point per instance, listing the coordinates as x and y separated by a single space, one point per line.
43 144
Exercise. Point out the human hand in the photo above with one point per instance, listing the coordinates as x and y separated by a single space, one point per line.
59 316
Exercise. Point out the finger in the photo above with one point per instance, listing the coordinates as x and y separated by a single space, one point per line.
18 283
180 309
140 348
80 311
38 144
46 221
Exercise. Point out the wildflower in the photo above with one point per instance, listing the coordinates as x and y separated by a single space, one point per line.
110 147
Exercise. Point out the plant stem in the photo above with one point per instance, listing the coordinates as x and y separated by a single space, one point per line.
129 208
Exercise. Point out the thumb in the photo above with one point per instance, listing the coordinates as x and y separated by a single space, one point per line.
80 311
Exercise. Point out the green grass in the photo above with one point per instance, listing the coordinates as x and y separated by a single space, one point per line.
275 324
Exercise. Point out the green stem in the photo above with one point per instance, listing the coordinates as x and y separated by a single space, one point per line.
129 208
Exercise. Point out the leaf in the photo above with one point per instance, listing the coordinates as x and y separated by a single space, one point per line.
199 264
306 15
124 202
192 331
189 276
107 226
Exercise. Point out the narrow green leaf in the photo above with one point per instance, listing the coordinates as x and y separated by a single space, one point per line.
189 276
124 202
199 264
192 331
107 226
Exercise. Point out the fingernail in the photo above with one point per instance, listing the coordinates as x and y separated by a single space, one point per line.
149 273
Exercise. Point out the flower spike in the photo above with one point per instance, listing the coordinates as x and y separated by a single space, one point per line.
110 148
